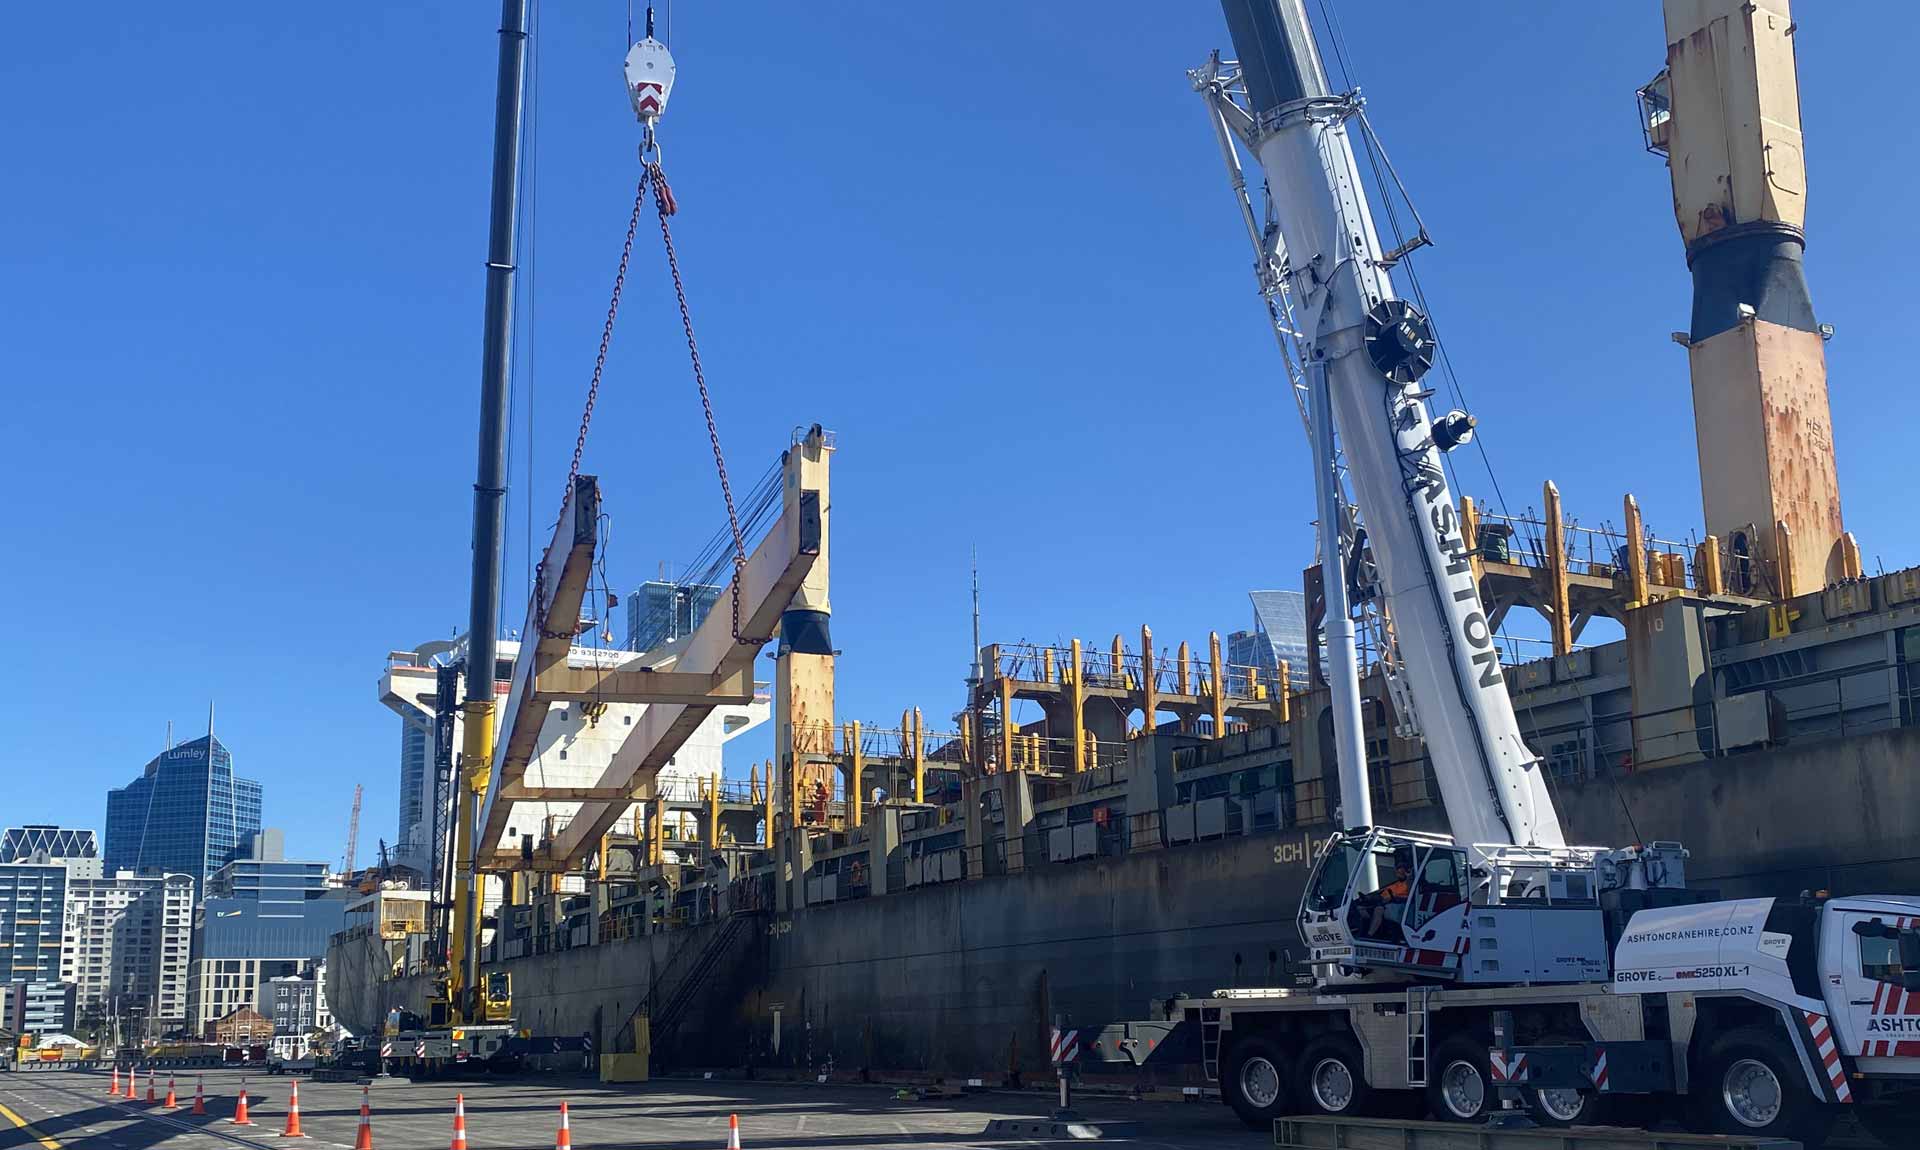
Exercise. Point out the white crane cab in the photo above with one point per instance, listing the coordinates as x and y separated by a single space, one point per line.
1386 905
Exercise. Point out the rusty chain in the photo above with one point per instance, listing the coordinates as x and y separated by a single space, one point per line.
652 176
593 388
664 201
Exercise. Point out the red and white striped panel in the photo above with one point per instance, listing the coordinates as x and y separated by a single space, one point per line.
1066 1045
1600 1070
1891 1001
1507 1068
1827 1053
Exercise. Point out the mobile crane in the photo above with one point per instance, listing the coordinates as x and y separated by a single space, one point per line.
469 1018
1608 976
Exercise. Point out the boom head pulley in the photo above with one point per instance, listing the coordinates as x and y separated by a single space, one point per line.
649 70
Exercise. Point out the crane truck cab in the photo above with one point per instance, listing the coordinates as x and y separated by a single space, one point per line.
1387 905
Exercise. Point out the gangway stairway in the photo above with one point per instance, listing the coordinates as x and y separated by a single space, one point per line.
668 1002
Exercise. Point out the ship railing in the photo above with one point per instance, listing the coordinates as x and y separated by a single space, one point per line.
1046 754
1832 703
1038 663
1602 552
697 790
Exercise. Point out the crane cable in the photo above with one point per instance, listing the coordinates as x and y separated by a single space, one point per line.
664 201
653 178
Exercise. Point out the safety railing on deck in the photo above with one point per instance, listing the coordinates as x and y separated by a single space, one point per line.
1603 552
1043 753
1033 663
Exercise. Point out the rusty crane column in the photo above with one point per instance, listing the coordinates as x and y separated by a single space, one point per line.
1726 114
803 662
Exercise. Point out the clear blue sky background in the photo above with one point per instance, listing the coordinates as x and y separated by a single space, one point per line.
990 245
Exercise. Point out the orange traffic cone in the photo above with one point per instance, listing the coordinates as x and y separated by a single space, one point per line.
293 1114
150 1096
733 1132
131 1077
200 1095
564 1140
364 1140
240 1110
459 1122
172 1102
115 1089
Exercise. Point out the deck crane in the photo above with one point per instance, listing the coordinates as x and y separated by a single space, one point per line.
1598 967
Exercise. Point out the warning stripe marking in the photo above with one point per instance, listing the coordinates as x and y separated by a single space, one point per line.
1829 1054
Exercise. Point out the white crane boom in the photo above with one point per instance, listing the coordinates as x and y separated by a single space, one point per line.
1373 348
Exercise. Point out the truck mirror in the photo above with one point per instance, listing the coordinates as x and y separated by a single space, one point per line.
1874 928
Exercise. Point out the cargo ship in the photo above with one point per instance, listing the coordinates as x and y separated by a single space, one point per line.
921 901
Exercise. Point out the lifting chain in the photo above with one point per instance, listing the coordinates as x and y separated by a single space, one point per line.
593 388
652 176
664 201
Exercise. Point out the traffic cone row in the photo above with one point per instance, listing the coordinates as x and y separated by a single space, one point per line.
733 1132
240 1110
200 1095
459 1122
364 1139
293 1114
563 1140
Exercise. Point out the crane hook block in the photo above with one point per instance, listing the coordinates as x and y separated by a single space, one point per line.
649 79
1399 340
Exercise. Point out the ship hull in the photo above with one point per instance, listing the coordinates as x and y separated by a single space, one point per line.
964 979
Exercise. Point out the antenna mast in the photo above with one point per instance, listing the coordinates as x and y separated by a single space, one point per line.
353 831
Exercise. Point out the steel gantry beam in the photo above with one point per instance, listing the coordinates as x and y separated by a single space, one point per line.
553 620
714 668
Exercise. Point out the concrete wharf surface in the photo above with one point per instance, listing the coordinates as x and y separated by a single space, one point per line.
54 1111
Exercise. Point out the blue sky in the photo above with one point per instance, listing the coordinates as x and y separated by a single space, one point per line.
990 245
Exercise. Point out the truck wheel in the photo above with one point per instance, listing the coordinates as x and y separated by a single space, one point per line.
1563 1107
1333 1077
1458 1081
1255 1084
1754 1085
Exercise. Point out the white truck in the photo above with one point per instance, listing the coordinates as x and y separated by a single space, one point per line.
1576 975
1759 1016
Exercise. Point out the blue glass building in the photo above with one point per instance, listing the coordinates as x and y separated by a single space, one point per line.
1279 633
186 814
660 611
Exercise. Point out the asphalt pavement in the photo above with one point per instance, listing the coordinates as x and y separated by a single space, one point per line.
46 1110
49 1110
